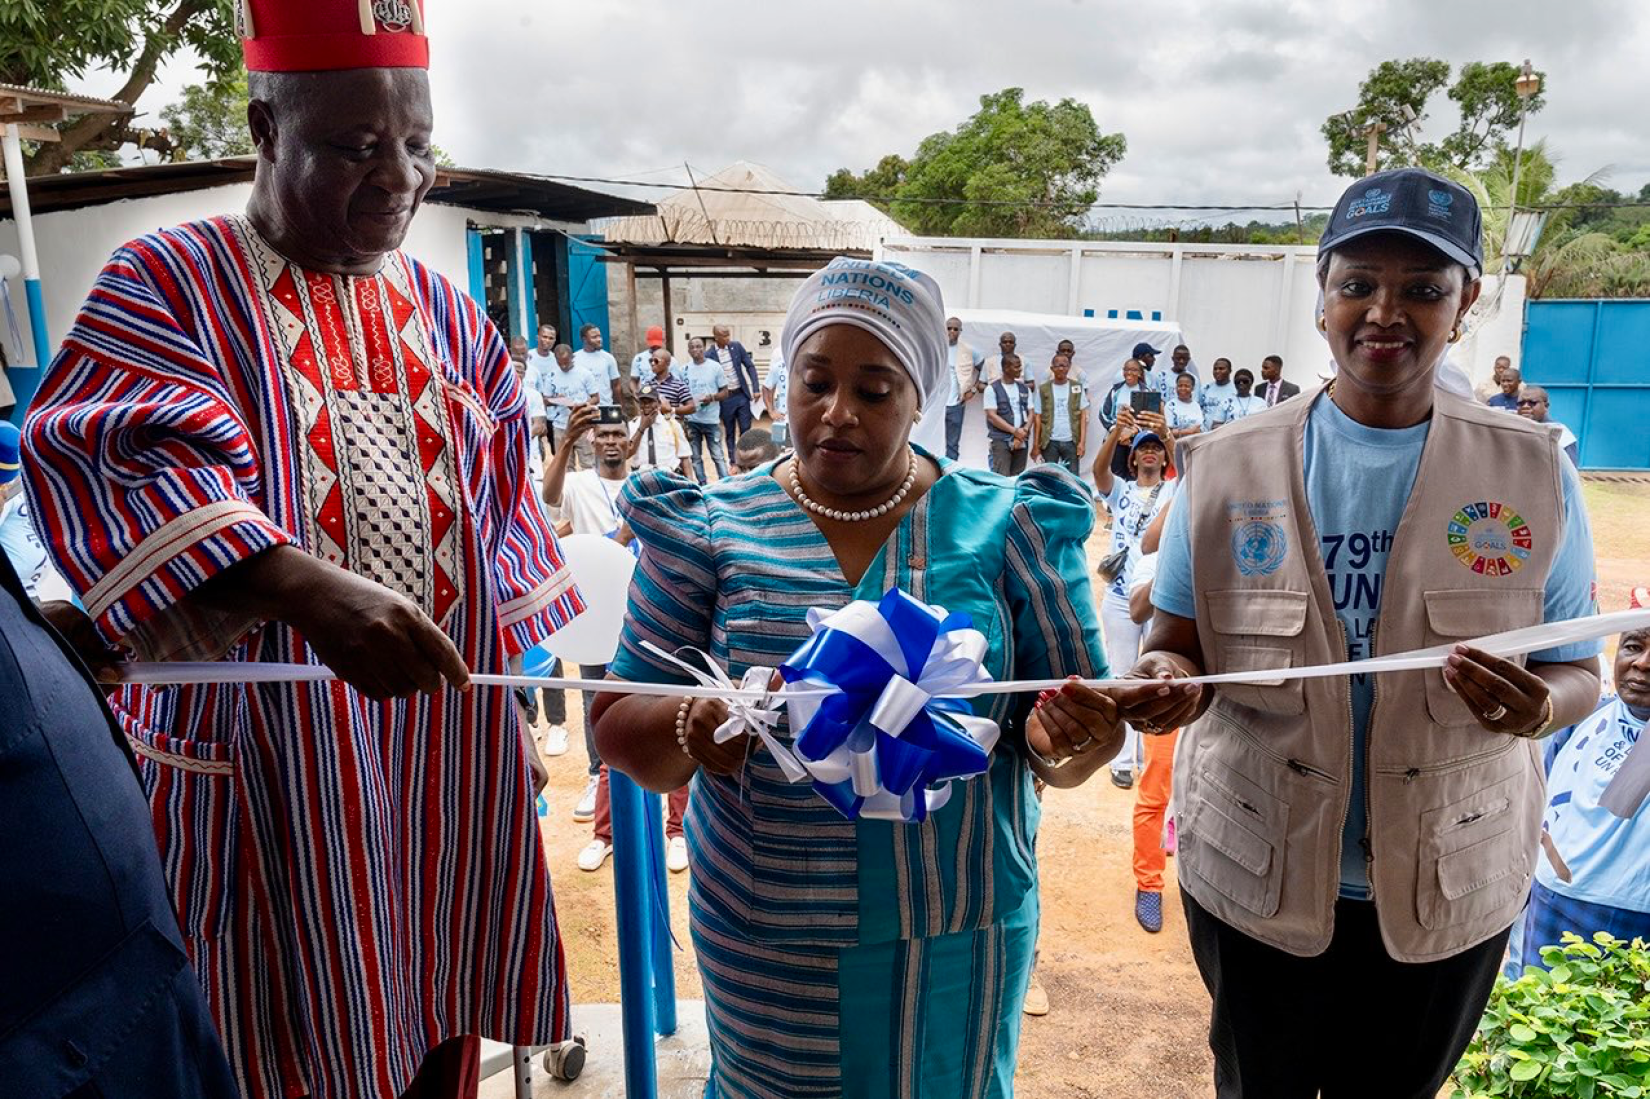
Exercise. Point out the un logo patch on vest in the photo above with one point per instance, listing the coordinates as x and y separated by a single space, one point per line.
1490 538
1259 547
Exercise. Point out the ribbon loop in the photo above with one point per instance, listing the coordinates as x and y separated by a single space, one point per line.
887 745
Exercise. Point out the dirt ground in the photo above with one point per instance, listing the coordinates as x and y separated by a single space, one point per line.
1128 1010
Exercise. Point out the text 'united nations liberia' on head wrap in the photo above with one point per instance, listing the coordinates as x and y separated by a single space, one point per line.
898 305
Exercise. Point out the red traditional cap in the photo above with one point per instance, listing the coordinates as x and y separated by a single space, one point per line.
317 35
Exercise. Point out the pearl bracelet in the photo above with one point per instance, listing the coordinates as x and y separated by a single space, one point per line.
681 724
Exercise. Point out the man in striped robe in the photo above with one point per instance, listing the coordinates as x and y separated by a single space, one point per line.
277 438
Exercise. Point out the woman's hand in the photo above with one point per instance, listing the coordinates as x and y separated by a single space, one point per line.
1074 720
704 717
1504 697
1158 705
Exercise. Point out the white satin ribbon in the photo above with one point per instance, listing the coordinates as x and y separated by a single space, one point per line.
1511 643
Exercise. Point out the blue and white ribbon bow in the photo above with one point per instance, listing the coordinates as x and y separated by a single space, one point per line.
887 746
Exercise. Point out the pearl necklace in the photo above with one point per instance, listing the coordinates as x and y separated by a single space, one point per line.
851 516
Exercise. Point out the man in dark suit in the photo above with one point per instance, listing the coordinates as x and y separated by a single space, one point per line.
1273 388
97 996
744 387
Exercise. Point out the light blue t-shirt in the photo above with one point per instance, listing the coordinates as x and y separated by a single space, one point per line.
574 382
1358 481
778 380
1163 380
1059 412
600 365
1132 510
1213 397
1183 414
1236 408
704 379
641 365
1606 854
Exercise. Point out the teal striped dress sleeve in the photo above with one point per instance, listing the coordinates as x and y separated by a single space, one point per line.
673 591
1046 577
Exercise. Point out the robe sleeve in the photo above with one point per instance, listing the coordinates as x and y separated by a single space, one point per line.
536 592
141 471
1056 629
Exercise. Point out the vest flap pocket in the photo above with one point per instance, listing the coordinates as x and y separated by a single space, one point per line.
1263 612
1278 696
1235 829
1471 856
1475 612
1461 615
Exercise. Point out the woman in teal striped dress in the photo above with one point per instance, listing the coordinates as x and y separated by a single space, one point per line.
860 958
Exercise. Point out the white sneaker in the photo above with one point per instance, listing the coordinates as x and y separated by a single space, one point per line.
555 741
676 854
594 854
585 810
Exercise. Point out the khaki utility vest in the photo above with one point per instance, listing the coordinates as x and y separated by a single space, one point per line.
1074 413
1263 779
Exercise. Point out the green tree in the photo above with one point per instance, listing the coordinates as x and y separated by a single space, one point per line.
878 184
1395 96
51 43
209 121
1014 169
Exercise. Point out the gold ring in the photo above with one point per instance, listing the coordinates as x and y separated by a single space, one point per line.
1496 714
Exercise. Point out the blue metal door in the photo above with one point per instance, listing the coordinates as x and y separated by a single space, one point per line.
585 278
1593 358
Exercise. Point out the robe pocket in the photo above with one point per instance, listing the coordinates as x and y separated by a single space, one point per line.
469 413
1261 630
1461 615
194 806
1473 856
1237 832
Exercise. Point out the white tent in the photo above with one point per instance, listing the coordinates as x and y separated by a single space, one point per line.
748 205
1102 347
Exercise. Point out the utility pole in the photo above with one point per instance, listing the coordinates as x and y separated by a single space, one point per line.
1373 132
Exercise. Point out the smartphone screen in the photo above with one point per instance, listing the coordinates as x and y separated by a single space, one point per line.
1146 402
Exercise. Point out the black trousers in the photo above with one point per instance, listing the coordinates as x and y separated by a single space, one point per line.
736 420
1351 1023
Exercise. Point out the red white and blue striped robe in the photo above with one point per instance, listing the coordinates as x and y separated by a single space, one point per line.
357 881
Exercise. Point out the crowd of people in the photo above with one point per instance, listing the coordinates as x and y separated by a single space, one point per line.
275 438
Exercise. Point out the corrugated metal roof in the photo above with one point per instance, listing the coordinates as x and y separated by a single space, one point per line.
477 189
85 103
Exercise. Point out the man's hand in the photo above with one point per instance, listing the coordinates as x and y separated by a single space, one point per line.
541 427
583 420
77 629
375 640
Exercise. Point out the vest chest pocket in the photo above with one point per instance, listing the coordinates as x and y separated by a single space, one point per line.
1260 630
1460 615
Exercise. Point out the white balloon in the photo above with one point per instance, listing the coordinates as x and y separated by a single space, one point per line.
601 569
10 267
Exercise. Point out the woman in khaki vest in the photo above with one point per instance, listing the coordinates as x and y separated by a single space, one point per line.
1353 850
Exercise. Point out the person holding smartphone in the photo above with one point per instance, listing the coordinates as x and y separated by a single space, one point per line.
1133 502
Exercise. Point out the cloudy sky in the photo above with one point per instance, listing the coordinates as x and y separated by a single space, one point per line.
1220 100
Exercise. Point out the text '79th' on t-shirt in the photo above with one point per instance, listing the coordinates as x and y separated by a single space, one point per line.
1358 481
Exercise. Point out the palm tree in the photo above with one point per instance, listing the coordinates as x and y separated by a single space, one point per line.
1565 263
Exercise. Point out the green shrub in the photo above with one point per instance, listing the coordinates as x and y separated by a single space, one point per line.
1580 1028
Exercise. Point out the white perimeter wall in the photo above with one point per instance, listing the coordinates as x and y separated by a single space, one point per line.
1240 302
75 244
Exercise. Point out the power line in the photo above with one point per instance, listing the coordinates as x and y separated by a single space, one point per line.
1226 207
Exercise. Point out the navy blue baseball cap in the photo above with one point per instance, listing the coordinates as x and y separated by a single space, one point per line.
1428 207
11 452
1144 349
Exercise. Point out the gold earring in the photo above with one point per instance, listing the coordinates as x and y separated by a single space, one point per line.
1455 334
1323 325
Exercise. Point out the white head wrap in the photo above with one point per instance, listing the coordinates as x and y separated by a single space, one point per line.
898 305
